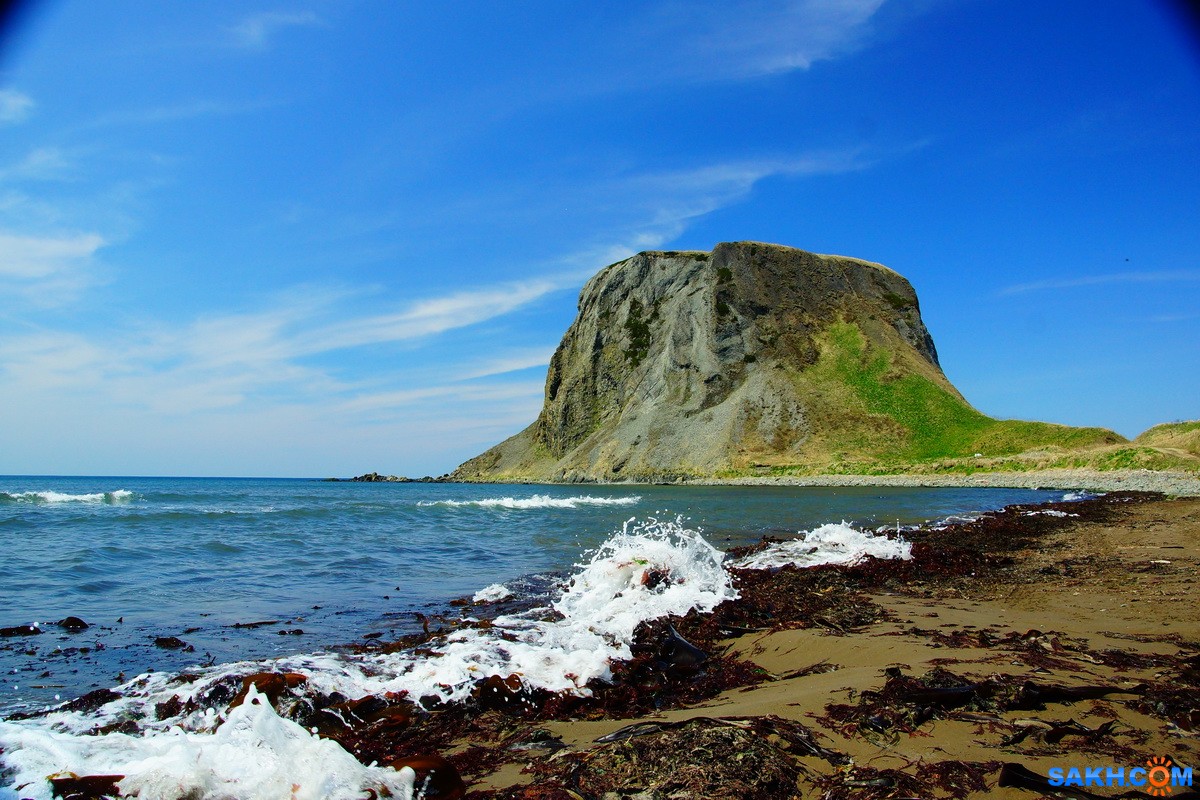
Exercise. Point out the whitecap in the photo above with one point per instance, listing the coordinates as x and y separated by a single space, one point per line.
832 543
492 594
51 496
648 570
537 501
252 753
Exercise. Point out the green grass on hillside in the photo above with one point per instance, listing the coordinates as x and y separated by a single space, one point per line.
934 422
1176 435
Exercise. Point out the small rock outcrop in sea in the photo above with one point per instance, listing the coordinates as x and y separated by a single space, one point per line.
752 356
375 477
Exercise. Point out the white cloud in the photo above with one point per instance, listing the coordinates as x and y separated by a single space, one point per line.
14 106
428 317
33 257
1165 276
666 202
754 37
41 163
510 362
256 31
47 271
228 360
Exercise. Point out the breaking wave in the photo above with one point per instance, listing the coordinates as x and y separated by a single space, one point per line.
537 501
648 570
51 496
833 543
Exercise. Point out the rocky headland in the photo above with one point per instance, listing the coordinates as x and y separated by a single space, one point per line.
763 361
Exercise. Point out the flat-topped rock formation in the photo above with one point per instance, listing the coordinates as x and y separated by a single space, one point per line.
751 356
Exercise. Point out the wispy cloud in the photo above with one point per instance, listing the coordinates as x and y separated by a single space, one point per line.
428 317
754 37
178 112
477 392
1169 318
255 32
503 364
667 202
1164 276
222 361
47 271
14 106
41 163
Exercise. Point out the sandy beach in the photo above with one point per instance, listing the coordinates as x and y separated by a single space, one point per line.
992 652
1057 636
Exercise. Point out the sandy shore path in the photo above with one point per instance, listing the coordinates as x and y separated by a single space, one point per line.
1176 484
1077 643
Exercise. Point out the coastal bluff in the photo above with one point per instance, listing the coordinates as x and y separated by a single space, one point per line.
754 356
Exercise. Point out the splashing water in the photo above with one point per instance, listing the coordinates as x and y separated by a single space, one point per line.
537 501
256 753
833 543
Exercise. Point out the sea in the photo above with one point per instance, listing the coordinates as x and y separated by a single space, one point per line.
213 577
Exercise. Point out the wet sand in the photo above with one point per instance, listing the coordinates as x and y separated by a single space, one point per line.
1106 600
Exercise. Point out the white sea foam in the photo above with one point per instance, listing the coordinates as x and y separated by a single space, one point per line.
1049 512
833 543
51 496
537 501
560 648
492 594
1072 497
254 753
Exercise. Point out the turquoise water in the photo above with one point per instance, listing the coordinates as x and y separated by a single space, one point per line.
141 558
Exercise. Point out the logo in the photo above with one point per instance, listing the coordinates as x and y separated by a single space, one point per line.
1160 776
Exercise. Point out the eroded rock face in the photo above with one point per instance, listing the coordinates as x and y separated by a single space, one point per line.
685 362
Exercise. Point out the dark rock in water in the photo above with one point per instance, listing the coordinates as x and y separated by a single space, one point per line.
87 787
21 630
503 694
73 624
373 716
437 779
252 625
92 700
168 708
271 685
292 632
375 477
171 643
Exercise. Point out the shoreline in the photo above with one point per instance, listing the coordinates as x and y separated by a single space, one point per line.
1068 642
1178 484
1026 646
810 675
1171 484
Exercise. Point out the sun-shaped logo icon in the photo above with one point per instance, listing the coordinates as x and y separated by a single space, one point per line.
1159 776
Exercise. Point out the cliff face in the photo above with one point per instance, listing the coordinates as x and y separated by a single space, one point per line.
693 363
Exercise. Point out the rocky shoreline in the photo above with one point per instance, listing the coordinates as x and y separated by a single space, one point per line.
1032 637
1171 484
1177 484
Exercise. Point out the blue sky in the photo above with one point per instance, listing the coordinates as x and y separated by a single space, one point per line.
322 238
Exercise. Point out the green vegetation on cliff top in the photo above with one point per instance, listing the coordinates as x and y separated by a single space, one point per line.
932 420
877 416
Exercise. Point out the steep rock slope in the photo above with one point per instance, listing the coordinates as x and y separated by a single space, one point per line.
753 355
